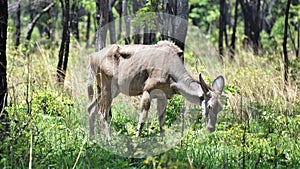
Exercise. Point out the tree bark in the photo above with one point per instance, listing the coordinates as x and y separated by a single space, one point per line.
233 37
252 20
146 35
75 19
127 22
222 25
120 12
298 42
18 25
111 22
284 44
102 17
181 23
65 42
169 9
35 19
88 28
136 5
3 64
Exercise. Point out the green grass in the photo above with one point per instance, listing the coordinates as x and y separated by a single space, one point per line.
259 127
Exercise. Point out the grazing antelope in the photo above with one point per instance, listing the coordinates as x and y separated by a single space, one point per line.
153 71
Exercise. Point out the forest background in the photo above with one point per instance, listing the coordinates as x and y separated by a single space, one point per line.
44 47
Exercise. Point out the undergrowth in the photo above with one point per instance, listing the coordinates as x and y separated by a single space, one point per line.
258 128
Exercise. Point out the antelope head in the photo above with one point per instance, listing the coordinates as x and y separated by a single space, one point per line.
211 104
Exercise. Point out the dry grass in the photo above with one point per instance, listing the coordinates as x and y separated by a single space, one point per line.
260 80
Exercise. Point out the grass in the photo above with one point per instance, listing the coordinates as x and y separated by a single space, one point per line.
259 127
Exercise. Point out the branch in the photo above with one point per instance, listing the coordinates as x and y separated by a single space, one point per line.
36 18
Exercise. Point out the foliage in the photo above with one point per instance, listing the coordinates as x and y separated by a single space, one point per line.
258 128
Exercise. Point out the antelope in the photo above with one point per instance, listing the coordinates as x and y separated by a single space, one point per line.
153 71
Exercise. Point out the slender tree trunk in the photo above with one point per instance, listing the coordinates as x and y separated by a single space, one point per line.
166 20
18 25
252 26
232 44
102 17
127 22
119 9
285 53
296 2
298 42
64 46
88 28
35 19
181 23
136 5
111 22
3 63
75 19
222 25
146 35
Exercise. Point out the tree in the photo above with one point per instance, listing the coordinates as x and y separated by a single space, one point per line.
222 25
65 42
111 22
181 23
232 44
3 63
75 19
101 17
284 44
252 24
35 19
18 24
136 5
88 28
127 22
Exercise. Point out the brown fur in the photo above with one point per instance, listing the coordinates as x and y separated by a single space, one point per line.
153 71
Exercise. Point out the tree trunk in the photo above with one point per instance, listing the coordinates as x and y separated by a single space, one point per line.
88 28
3 63
169 9
181 23
18 25
146 35
102 17
285 53
136 5
298 39
64 46
75 19
127 22
118 7
252 20
296 3
35 19
222 25
232 44
111 22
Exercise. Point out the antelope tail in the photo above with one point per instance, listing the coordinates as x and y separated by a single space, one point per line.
91 83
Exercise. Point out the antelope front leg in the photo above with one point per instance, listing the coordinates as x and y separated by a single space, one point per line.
145 106
161 110
105 126
92 110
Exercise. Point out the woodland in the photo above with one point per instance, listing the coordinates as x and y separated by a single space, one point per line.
44 54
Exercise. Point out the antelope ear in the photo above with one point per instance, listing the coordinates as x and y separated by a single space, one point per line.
218 84
203 85
124 53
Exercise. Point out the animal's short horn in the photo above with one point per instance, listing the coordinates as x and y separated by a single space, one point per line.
203 85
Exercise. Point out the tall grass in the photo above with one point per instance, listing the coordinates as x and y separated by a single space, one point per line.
258 128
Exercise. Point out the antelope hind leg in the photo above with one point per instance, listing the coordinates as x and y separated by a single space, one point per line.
161 110
145 106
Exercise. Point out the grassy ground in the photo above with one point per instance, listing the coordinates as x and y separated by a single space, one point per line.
259 127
